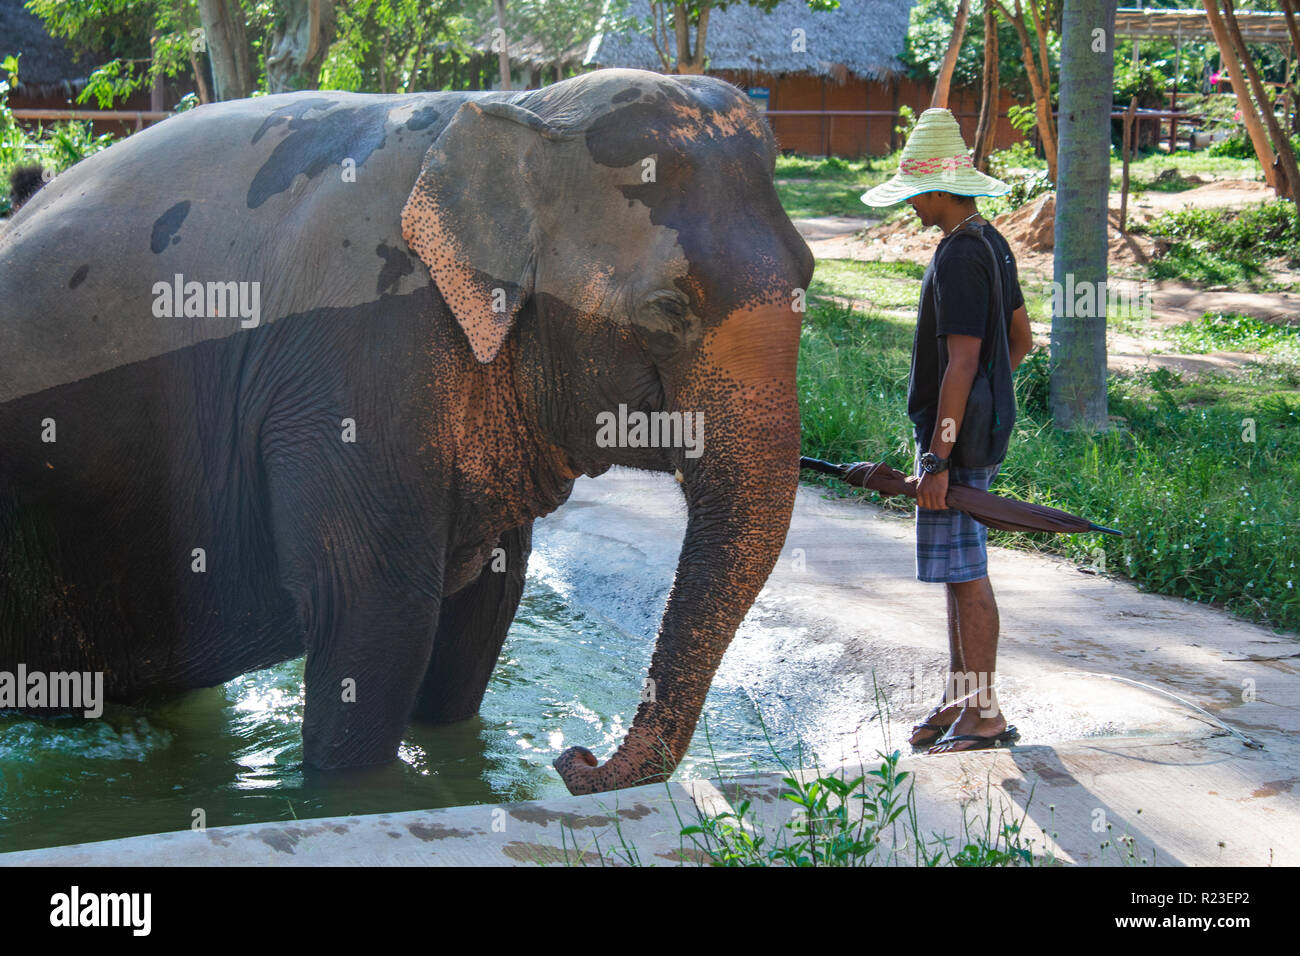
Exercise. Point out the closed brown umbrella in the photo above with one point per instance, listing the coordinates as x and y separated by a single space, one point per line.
986 508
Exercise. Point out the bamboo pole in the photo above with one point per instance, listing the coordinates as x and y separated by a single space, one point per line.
1123 192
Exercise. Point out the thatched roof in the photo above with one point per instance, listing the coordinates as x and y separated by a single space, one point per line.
46 61
527 53
863 36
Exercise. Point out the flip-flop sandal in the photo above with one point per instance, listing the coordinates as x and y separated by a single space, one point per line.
930 742
1004 739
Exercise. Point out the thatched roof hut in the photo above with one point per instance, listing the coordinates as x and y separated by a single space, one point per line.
862 38
47 66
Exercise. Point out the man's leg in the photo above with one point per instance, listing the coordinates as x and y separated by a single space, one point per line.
952 545
933 544
973 686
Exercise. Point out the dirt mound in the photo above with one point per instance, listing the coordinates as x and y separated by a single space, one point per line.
1032 229
1032 226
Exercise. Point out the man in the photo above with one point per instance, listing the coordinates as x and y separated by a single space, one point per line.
937 179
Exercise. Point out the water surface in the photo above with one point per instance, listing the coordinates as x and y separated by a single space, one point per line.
235 751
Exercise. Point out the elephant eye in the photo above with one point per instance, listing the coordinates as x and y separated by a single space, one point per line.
671 303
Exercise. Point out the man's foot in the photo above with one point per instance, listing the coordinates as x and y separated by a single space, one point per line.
970 731
934 727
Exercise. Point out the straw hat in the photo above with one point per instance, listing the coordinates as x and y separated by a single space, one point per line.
934 159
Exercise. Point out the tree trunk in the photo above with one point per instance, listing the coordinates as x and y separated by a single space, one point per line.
299 47
156 84
944 82
1039 83
503 55
228 50
1254 128
1078 359
688 60
990 91
1289 11
1281 145
200 78
413 82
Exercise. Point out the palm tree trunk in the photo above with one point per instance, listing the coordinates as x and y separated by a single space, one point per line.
1078 386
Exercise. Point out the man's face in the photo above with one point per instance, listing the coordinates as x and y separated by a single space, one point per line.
927 206
923 204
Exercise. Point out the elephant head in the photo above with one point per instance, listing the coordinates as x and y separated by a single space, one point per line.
620 238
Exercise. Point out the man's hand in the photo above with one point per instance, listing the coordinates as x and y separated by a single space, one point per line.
932 491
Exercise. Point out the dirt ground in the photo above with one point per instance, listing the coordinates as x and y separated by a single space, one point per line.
1030 231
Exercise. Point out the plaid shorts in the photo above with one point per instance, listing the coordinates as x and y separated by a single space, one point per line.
950 545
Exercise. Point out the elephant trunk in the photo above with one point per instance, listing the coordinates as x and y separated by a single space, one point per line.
739 492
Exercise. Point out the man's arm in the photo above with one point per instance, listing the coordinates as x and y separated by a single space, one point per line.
1021 339
954 391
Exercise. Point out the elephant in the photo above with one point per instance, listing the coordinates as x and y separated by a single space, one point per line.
294 375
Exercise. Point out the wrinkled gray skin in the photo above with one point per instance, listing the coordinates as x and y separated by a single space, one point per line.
470 279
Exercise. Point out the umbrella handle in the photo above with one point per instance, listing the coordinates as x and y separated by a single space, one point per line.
823 467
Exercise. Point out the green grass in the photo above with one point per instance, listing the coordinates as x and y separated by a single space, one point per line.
1209 514
819 186
825 186
1145 170
1235 332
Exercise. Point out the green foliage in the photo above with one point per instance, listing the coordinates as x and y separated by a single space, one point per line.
1239 146
1208 515
841 822
927 41
1019 167
1146 81
1017 156
906 122
388 46
1022 118
1236 147
123 28
1218 246
55 148
838 822
557 25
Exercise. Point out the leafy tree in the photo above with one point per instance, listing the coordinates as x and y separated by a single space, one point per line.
146 41
928 36
556 25
388 46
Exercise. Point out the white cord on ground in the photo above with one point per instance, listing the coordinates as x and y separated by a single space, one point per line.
1249 742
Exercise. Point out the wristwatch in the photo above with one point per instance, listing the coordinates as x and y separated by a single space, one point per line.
933 464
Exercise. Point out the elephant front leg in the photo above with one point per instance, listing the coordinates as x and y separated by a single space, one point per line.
362 678
472 626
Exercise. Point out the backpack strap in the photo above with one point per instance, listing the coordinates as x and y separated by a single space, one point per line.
998 340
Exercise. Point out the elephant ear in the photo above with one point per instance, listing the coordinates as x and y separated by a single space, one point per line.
471 217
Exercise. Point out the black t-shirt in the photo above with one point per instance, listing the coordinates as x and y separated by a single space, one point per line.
955 300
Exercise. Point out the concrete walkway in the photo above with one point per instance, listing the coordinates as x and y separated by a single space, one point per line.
1142 716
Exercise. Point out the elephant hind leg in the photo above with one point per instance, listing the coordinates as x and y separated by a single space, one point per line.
472 626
